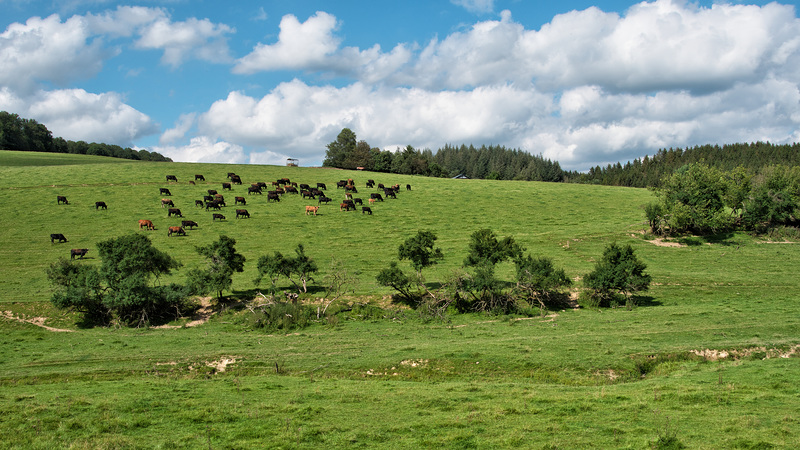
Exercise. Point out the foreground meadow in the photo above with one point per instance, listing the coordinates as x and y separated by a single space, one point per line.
707 359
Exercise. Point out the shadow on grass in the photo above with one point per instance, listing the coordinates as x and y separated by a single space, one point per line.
644 301
725 239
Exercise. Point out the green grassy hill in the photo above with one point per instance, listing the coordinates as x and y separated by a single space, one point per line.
582 378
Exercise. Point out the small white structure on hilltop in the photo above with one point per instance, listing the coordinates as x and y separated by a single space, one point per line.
292 162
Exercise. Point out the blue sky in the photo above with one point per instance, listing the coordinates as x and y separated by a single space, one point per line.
583 83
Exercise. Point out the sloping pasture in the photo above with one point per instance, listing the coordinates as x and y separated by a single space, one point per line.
584 378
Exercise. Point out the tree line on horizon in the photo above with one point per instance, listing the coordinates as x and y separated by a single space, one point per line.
493 162
28 135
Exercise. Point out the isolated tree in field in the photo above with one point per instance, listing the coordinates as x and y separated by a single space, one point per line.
420 251
222 261
539 279
485 251
298 270
394 278
124 286
619 271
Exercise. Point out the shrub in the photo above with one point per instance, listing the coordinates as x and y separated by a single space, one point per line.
619 271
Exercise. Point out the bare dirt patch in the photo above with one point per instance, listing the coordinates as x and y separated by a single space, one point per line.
38 321
660 242
762 352
200 316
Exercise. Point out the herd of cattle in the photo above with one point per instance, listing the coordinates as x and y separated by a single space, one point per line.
275 191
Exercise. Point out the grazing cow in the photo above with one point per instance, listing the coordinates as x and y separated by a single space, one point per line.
323 199
216 216
57 237
231 174
164 191
322 186
242 213
372 201
381 186
376 196
370 183
280 191
304 186
307 194
236 179
212 192
79 252
61 199
346 207
254 190
188 223
285 181
146 224
198 203
348 196
358 201
366 209
351 188
350 182
172 177
316 192
219 197
166 202
191 182
408 187
176 230
98 205
208 198
226 186
291 190
237 200
174 212
341 184
273 196
389 193
262 185
312 209
213 205
199 177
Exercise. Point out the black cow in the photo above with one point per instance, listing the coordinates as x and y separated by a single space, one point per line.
366 209
237 200
216 216
172 177
323 199
254 190
79 252
262 184
208 198
376 196
381 186
341 184
321 186
174 212
358 201
302 186
236 179
307 194
389 193
351 188
199 177
164 191
188 223
349 202
98 205
242 213
231 174
408 187
214 205
291 190
199 202
273 196
57 237
226 186
61 199
212 192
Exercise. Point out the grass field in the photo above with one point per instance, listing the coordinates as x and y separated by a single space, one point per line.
612 378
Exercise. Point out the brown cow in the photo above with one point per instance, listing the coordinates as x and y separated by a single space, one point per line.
312 209
177 230
146 224
79 252
242 213
237 200
166 202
